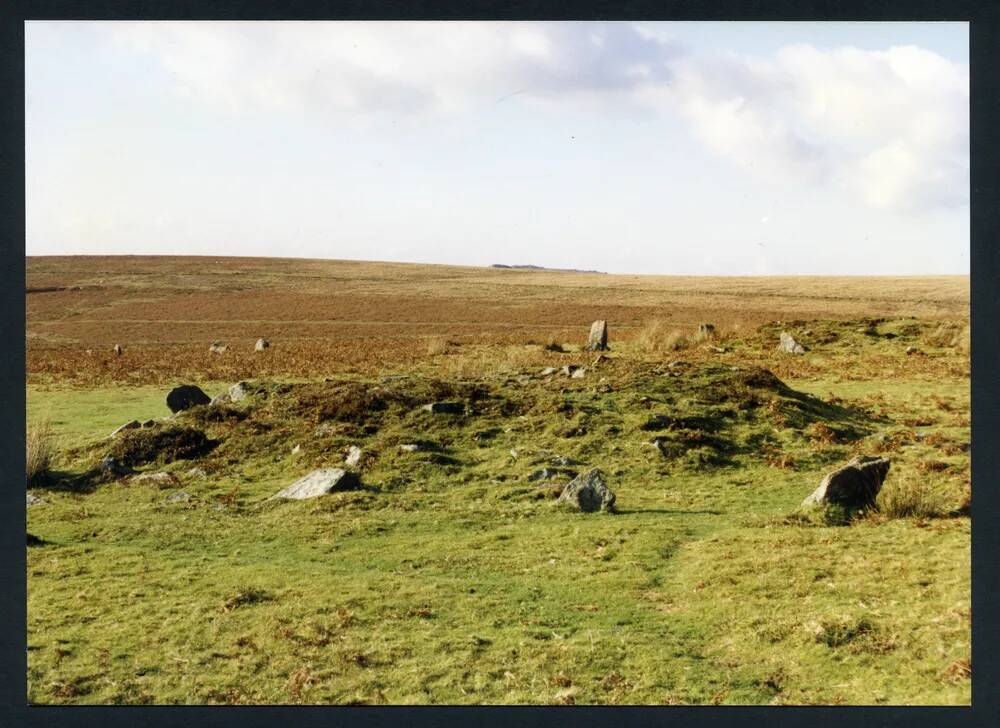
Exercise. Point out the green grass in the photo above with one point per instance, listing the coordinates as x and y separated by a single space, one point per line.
448 580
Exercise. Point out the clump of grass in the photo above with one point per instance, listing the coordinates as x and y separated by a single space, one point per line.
437 345
245 596
40 452
912 497
950 334
654 338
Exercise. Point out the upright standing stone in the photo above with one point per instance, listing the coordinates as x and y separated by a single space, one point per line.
856 485
598 340
789 345
589 493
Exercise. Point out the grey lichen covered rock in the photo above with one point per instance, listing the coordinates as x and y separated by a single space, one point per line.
589 493
238 392
353 456
33 500
856 485
217 347
789 345
261 345
598 339
320 482
134 424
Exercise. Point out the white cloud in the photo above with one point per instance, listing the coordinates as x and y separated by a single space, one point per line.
889 127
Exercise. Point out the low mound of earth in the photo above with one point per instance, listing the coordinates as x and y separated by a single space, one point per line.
676 417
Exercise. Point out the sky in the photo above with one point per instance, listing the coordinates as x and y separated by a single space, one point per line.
691 148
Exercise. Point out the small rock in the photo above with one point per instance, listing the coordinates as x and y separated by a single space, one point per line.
353 456
217 347
196 473
134 424
238 392
514 454
185 397
855 485
567 371
589 492
563 461
261 345
179 496
789 345
296 450
33 500
320 482
598 339
549 473
911 350
718 349
117 349
159 478
112 468
578 373
409 447
548 371
449 408
220 399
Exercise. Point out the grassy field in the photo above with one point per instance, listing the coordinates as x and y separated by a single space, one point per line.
452 576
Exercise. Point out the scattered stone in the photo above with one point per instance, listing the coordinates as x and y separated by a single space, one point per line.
598 339
549 473
718 349
296 450
578 373
855 485
514 454
706 329
911 350
567 371
33 500
410 447
261 345
789 345
196 473
185 397
238 392
353 456
220 399
548 371
134 424
112 468
589 492
563 461
117 349
179 496
678 364
448 408
320 482
217 347
158 478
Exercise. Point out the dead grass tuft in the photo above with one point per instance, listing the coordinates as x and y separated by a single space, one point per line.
909 496
40 451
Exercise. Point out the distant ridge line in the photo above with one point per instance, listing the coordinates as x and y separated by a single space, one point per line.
541 267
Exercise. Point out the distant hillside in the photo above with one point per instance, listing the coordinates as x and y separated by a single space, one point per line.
551 270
